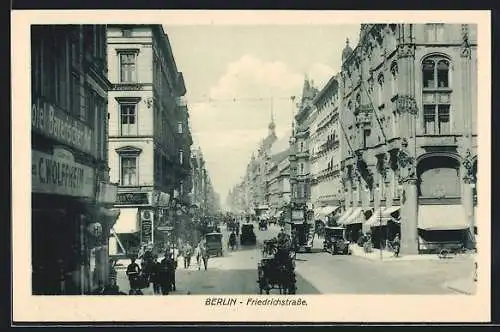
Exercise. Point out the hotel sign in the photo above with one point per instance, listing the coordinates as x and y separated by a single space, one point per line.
55 123
60 174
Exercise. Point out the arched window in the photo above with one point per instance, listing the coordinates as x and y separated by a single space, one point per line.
358 100
380 81
436 72
436 96
439 176
394 76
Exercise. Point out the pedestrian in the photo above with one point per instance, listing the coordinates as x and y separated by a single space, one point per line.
197 252
164 275
172 266
155 275
187 253
204 255
133 272
396 245
112 274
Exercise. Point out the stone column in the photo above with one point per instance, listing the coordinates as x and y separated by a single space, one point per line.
409 213
407 108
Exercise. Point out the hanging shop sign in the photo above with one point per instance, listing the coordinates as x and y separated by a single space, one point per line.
59 125
132 198
147 217
60 174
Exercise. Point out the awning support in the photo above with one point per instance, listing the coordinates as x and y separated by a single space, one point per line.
118 239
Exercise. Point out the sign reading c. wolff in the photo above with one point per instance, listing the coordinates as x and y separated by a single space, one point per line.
59 174
56 124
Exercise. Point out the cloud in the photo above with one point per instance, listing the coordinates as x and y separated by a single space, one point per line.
229 123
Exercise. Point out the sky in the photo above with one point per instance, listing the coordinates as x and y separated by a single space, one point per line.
236 76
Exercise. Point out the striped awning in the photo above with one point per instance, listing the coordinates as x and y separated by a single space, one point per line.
325 211
442 217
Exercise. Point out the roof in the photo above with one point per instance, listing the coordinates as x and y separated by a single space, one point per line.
277 158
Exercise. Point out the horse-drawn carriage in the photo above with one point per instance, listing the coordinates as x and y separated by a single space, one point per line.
276 270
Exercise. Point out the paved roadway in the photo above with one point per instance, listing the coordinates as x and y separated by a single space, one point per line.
317 273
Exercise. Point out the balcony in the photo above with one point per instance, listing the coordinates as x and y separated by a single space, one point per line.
303 154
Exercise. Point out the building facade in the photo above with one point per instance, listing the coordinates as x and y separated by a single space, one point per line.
409 111
325 153
149 136
277 181
299 149
71 191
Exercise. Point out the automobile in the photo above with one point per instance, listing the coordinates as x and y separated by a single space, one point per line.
247 235
214 243
335 241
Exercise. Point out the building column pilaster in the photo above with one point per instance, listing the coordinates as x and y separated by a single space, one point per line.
409 217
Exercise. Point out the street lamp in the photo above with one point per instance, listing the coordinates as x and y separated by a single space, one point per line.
377 188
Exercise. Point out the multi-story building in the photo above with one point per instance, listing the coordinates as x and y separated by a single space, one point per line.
299 149
278 186
409 112
149 135
325 154
70 180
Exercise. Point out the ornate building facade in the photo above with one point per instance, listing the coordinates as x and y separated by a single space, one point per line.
149 136
409 111
299 146
325 153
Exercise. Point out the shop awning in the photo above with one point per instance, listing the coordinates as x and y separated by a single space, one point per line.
381 216
344 216
324 211
354 218
442 217
127 221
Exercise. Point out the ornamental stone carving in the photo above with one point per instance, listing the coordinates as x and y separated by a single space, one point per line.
406 104
406 162
406 50
469 176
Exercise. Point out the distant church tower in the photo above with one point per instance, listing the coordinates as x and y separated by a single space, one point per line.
272 125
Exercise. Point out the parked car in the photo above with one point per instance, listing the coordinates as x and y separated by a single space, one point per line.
247 235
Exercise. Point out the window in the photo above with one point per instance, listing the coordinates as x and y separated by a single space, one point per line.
394 75
380 89
301 146
179 127
437 119
181 156
128 119
128 66
129 170
434 32
435 73
301 168
394 124
358 100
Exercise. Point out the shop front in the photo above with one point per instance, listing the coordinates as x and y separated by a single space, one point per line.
63 193
442 226
384 224
352 220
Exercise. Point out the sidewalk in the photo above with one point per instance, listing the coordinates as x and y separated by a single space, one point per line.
388 256
464 286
